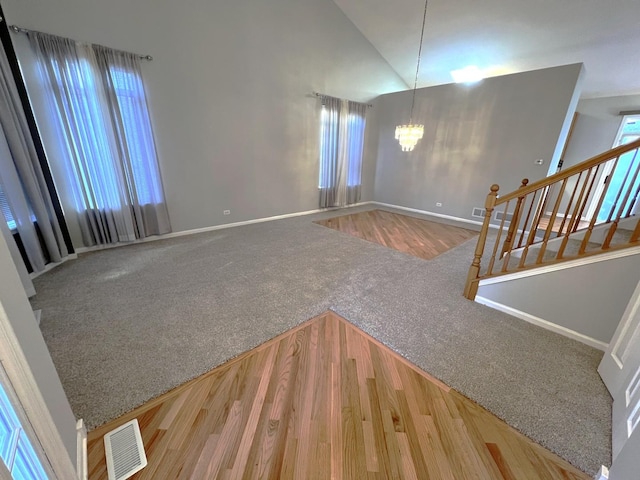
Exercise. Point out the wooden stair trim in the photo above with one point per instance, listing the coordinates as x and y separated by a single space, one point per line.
549 193
586 258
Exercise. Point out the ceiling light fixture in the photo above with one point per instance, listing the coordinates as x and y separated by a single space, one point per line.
409 134
470 74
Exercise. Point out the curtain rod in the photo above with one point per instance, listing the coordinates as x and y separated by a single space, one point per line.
17 29
325 95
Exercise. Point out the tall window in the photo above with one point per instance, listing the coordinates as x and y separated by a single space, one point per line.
342 125
129 92
99 105
622 179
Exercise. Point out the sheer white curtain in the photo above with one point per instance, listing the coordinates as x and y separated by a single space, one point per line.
22 183
97 100
342 125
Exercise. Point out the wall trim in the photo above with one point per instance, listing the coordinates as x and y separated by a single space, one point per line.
51 266
432 214
82 459
578 262
527 317
276 217
194 231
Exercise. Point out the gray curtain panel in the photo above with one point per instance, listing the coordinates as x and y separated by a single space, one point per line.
329 150
357 124
341 149
97 98
22 181
122 76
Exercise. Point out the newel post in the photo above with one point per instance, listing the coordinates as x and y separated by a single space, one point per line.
471 287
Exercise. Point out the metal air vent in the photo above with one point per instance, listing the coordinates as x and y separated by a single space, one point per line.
478 212
124 451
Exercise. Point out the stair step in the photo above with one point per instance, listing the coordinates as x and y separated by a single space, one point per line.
622 235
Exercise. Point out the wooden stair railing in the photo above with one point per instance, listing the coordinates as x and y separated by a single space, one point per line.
555 218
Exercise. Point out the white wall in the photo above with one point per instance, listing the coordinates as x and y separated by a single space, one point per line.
230 92
22 322
474 136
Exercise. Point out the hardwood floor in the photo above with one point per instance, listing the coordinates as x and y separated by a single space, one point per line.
322 401
558 222
414 236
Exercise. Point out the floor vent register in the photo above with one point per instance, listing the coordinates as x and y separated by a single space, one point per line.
124 451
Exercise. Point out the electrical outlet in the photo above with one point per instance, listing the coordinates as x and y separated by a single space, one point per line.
438 204
226 212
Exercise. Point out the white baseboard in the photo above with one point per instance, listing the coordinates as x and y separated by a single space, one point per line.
51 266
431 214
277 217
527 317
215 227
82 467
603 473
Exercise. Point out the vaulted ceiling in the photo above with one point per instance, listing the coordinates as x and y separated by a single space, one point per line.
507 36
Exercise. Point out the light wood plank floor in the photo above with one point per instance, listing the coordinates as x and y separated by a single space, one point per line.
414 236
544 223
326 401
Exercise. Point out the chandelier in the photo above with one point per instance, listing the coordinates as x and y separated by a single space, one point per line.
409 134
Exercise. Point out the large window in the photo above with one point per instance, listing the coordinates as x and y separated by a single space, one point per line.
99 106
133 133
342 126
130 96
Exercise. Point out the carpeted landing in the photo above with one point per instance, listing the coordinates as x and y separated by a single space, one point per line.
127 324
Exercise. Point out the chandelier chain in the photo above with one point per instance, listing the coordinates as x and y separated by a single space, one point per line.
415 82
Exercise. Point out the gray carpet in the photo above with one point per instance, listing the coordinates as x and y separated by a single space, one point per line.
127 324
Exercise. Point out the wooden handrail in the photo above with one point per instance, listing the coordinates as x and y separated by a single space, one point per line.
563 197
569 172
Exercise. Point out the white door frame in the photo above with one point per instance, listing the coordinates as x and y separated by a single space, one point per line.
605 171
620 370
614 368
20 375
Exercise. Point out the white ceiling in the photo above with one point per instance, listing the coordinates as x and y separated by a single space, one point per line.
507 36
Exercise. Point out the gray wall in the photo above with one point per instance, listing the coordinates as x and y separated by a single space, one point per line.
592 305
475 136
230 92
596 126
23 323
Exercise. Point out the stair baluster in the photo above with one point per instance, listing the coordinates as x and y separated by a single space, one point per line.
531 201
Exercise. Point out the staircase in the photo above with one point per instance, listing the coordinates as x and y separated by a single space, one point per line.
589 209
